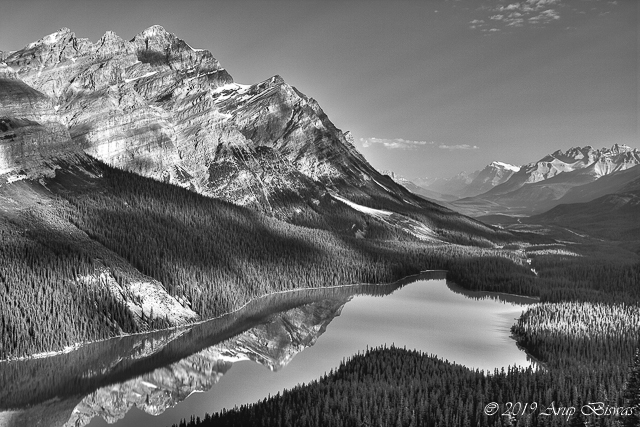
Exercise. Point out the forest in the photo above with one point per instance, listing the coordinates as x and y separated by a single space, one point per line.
399 387
63 258
583 337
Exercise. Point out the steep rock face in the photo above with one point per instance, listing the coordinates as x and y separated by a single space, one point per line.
158 107
30 130
104 92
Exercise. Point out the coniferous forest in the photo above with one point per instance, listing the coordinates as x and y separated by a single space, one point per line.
63 257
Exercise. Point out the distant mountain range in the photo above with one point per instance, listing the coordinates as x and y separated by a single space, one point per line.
611 216
593 190
578 175
462 185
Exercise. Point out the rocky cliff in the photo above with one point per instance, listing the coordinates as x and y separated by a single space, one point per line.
158 107
31 133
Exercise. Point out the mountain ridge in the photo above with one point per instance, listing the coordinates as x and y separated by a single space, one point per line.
159 108
541 185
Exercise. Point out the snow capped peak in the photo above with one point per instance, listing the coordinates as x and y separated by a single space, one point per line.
51 38
506 166
155 29
110 35
156 32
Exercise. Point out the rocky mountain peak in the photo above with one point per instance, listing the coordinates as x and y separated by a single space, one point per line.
111 43
55 37
506 166
155 31
156 46
622 148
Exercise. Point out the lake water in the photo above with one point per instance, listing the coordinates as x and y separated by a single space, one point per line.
274 343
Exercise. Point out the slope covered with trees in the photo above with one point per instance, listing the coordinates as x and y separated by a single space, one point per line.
80 240
398 387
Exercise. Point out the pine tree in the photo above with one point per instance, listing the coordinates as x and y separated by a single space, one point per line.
632 394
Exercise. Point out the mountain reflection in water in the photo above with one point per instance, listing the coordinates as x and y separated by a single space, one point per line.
156 371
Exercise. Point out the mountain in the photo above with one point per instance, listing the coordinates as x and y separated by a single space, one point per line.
613 216
157 107
541 185
615 182
492 175
448 186
142 188
31 133
469 184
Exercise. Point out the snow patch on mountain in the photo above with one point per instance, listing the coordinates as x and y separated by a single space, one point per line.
505 166
409 225
369 211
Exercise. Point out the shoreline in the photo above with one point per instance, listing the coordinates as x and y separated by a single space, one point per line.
78 345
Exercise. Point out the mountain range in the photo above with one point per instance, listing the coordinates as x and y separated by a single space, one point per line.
467 184
580 174
157 107
142 180
611 212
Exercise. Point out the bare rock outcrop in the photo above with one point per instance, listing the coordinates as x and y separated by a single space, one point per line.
31 134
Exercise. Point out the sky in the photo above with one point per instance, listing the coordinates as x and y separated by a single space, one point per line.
428 88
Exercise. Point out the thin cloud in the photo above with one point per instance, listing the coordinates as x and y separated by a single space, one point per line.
397 143
517 14
458 147
511 15
406 144
545 17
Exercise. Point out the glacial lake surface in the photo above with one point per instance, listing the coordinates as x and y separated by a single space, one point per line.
274 343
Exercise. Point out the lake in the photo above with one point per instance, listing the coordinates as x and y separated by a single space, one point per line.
273 343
